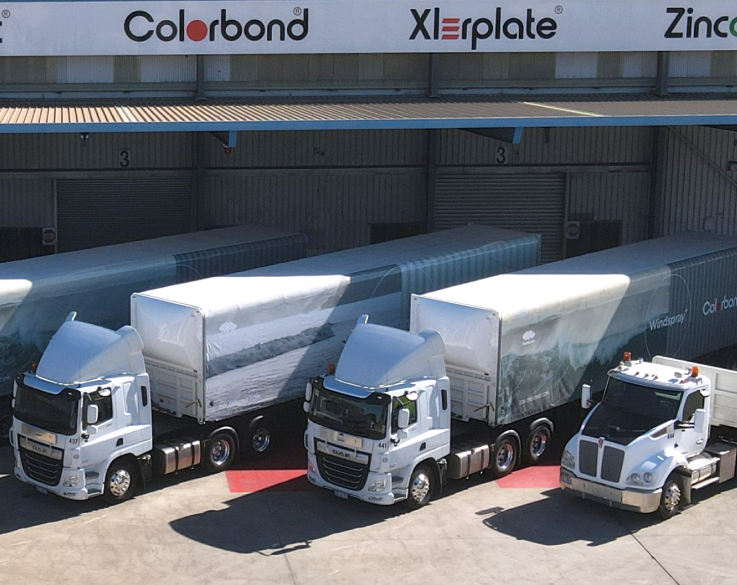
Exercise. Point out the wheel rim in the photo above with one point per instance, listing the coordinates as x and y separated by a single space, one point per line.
505 457
539 443
671 497
261 440
420 487
220 452
120 482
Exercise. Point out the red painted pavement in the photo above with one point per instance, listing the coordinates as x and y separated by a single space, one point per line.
541 476
285 470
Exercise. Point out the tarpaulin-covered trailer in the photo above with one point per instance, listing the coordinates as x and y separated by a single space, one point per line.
520 344
36 294
222 346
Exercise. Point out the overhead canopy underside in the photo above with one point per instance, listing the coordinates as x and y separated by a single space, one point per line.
367 113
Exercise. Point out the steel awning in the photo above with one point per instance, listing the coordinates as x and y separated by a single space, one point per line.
374 113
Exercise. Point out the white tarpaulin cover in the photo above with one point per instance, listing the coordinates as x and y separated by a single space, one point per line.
37 294
566 323
255 338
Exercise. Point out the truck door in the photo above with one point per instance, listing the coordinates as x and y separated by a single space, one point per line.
99 439
408 443
690 440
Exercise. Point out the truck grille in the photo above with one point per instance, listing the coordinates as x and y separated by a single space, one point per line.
611 461
588 454
46 470
343 473
611 464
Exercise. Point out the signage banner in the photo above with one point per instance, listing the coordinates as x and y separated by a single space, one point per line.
59 28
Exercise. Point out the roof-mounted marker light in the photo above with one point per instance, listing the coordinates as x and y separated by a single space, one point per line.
331 369
627 357
695 372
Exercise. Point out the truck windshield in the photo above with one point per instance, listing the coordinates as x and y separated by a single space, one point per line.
52 412
629 410
363 417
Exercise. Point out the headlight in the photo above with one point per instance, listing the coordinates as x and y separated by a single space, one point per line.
568 460
310 467
648 477
72 481
634 479
378 486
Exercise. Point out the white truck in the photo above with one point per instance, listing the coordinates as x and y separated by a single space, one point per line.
646 446
221 360
37 294
493 366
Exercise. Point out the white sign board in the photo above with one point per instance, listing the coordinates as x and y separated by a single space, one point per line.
60 28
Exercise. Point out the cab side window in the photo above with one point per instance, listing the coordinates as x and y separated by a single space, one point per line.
103 398
693 403
397 405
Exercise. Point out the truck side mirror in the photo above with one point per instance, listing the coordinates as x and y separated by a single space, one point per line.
699 421
306 406
403 418
93 414
586 397
308 392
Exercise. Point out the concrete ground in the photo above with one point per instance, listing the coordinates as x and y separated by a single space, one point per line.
193 529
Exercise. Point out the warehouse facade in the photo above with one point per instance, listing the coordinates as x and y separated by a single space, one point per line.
591 148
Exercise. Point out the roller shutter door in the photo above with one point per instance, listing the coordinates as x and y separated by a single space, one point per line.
532 204
94 213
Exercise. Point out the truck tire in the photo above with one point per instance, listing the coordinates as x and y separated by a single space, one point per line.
121 481
670 499
505 456
258 439
536 445
220 452
421 485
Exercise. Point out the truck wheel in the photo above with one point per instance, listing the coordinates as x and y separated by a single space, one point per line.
259 438
537 444
505 457
220 452
121 481
670 499
421 485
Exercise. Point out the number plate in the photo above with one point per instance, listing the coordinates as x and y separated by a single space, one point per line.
341 495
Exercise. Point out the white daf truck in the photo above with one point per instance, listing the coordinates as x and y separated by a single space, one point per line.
662 430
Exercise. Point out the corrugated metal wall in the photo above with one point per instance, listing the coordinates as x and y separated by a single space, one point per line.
700 181
26 203
612 196
249 73
333 207
377 148
550 146
51 152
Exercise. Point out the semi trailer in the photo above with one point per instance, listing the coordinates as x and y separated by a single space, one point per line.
222 361
663 430
37 294
490 368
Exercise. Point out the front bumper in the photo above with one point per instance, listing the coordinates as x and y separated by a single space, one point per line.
644 501
385 498
78 493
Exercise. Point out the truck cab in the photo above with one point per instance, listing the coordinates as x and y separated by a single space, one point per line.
380 423
645 446
83 416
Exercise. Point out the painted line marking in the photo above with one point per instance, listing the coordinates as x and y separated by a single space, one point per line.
566 110
536 477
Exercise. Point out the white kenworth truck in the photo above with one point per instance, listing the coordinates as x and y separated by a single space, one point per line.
646 446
